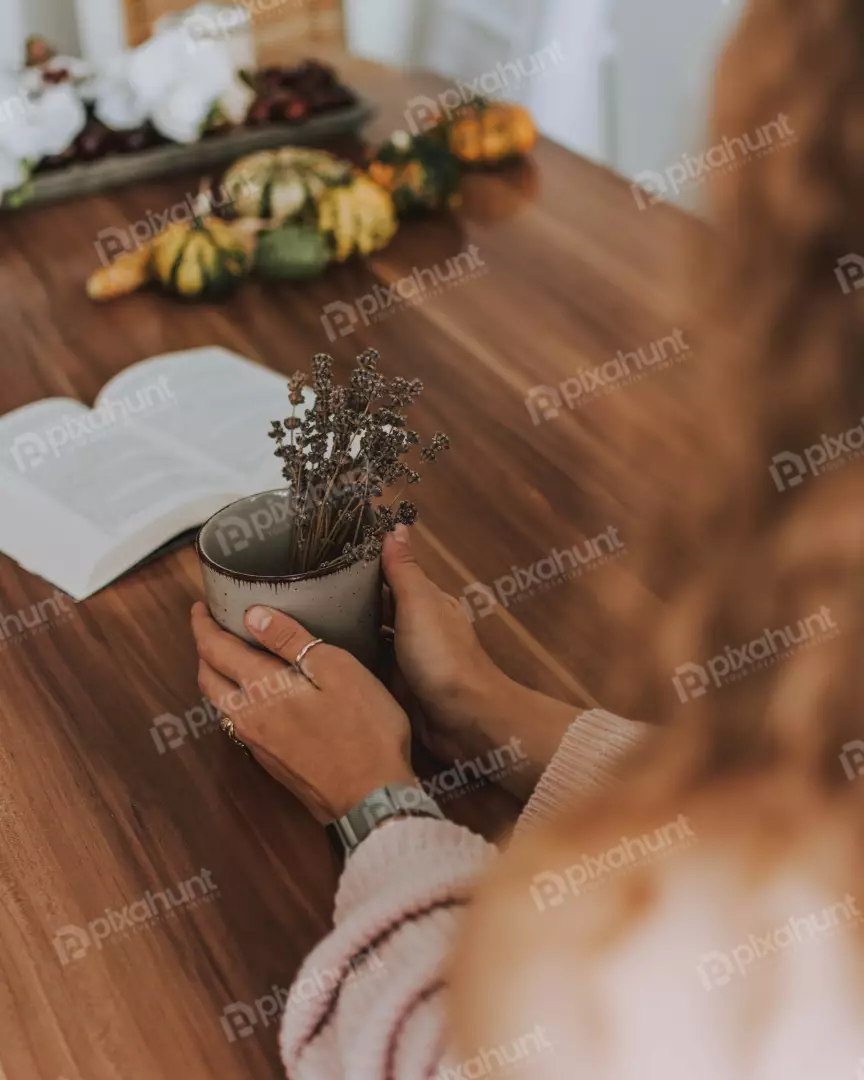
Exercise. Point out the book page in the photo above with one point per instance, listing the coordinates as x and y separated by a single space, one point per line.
88 493
213 403
78 487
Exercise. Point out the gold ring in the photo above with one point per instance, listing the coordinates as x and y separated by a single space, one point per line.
298 663
227 725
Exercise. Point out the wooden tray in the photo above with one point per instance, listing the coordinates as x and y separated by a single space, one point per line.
117 170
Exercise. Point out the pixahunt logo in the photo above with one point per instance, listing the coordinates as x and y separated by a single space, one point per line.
500 82
275 516
717 969
493 1061
850 273
550 889
852 759
240 1019
28 622
16 108
214 22
170 732
546 402
735 663
479 600
790 470
340 319
237 532
73 942
112 242
652 187
33 448
467 776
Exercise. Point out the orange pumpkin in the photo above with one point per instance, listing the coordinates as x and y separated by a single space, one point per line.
484 133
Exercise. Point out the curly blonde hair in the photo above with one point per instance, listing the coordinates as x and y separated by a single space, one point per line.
737 534
750 524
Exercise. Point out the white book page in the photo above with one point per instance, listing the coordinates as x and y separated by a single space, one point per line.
214 404
85 496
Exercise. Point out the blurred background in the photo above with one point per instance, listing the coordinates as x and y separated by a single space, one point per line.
621 81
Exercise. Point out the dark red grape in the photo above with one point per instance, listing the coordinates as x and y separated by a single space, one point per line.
296 111
95 141
60 161
138 139
259 111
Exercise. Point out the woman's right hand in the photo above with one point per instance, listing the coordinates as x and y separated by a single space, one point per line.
469 705
440 657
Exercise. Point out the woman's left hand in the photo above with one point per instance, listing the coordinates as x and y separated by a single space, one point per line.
331 738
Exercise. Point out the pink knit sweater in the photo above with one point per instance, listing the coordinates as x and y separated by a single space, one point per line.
368 1002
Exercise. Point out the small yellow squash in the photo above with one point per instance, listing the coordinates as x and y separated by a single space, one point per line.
359 218
202 259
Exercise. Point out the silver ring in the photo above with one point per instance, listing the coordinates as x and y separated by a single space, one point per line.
298 663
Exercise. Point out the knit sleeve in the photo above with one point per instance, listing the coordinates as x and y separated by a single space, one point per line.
587 761
369 1001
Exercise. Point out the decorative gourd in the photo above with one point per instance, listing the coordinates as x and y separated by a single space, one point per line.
358 218
419 172
278 184
486 133
201 259
292 253
127 273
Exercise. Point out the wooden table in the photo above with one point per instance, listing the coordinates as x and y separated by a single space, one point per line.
92 816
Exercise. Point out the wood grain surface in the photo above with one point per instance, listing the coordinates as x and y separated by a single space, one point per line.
92 816
277 23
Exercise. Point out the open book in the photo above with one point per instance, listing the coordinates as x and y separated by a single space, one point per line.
86 494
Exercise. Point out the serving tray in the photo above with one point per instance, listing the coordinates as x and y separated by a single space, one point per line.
118 170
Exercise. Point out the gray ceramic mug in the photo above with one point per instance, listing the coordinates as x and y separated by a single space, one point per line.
241 550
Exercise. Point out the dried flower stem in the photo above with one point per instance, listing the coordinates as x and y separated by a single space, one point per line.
339 456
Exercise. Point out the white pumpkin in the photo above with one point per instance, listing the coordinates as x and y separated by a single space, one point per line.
118 107
276 185
59 117
35 126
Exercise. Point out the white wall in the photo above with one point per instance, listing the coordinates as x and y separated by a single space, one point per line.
665 54
463 39
101 29
13 33
381 29
633 91
94 29
573 106
54 19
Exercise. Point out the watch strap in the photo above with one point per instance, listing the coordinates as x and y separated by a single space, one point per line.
385 804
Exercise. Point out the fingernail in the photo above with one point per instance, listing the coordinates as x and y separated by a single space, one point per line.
259 618
401 534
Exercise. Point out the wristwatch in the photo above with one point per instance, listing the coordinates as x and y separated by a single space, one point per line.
392 801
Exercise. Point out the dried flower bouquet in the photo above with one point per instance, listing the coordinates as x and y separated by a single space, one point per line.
340 457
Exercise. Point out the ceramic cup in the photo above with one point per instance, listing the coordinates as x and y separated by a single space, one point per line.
242 549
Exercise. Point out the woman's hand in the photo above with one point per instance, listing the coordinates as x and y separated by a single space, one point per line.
332 738
440 657
469 705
